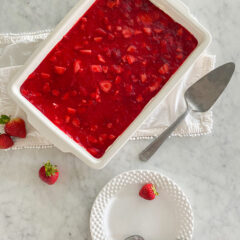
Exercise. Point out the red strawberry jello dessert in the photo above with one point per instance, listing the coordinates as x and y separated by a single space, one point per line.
113 61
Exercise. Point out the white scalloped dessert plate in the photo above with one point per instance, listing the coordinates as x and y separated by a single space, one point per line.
118 211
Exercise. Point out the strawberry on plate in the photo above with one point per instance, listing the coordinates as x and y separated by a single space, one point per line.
49 173
5 141
14 127
148 191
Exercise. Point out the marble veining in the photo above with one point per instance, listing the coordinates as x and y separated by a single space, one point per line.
206 168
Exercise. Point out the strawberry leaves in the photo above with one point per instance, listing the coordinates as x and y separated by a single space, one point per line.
50 169
4 119
154 190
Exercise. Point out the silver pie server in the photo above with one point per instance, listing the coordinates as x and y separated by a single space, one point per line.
200 97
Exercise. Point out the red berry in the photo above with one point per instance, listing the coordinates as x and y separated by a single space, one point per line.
46 87
106 21
157 30
48 173
94 128
94 151
86 51
98 39
102 138
180 32
138 3
179 56
96 68
85 42
139 98
131 49
91 139
59 70
127 32
134 78
45 75
111 36
101 31
131 59
52 58
164 69
148 192
100 58
55 92
67 119
16 127
84 19
83 91
71 110
143 77
5 141
76 122
65 96
117 80
55 105
111 137
76 66
105 85
74 93
113 3
147 30
118 69
129 89
137 32
105 69
154 86
145 18
78 47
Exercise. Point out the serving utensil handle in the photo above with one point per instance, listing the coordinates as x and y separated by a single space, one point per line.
148 152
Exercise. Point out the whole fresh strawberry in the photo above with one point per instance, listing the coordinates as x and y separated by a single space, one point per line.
14 127
5 141
148 191
48 173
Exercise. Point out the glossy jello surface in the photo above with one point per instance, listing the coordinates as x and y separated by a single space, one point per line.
103 72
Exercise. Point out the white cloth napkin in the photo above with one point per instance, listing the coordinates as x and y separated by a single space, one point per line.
16 48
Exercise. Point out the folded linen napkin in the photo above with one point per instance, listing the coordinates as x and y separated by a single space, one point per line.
16 48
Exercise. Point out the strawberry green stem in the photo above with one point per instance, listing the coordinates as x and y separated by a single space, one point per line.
154 190
50 169
4 119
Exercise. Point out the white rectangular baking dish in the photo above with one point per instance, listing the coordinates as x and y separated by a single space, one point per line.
174 8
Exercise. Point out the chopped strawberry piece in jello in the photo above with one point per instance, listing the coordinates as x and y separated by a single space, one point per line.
131 49
45 75
59 70
164 68
113 3
99 77
86 51
100 58
96 68
105 85
77 66
55 92
98 39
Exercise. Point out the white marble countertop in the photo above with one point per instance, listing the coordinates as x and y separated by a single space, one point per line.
207 168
